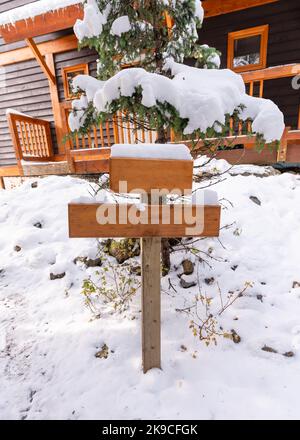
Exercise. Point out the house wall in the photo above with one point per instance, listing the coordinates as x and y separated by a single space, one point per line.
25 88
283 17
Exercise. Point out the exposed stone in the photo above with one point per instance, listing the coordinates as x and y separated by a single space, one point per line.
289 354
255 200
186 284
188 267
90 262
103 353
124 249
17 248
235 337
174 241
209 281
34 185
296 284
269 349
58 276
263 172
38 225
136 270
234 268
260 298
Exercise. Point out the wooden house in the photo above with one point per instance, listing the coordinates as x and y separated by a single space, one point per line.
260 39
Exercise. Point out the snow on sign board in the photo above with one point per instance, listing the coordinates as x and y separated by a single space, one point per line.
152 151
34 9
151 167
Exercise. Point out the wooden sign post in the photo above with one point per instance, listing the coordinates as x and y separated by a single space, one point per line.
150 222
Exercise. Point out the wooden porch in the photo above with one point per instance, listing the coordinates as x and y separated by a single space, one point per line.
89 154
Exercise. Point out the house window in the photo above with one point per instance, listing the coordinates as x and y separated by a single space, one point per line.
247 49
68 74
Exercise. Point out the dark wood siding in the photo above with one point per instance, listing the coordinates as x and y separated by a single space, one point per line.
283 17
23 87
26 90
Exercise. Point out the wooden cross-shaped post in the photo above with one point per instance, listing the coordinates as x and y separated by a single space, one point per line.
143 176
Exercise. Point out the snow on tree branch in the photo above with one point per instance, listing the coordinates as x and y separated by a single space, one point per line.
126 32
201 97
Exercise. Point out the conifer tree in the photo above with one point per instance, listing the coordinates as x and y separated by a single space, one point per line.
145 34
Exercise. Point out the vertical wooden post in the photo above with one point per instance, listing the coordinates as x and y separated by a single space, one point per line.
151 308
60 129
282 152
151 301
2 184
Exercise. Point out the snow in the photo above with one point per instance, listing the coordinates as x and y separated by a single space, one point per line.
205 197
199 13
77 118
120 26
152 151
93 21
201 96
31 10
215 59
48 368
11 111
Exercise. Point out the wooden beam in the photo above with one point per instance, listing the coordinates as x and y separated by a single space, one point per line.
160 221
151 174
294 135
96 166
272 73
9 171
43 24
213 8
2 184
59 45
60 130
41 60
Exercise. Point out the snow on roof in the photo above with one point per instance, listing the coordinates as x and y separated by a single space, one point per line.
152 151
31 10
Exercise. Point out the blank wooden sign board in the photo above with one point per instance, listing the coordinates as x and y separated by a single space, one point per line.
150 222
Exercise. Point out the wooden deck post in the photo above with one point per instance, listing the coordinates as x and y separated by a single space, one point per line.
282 152
2 184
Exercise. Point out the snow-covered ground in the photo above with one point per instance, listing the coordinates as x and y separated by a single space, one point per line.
48 341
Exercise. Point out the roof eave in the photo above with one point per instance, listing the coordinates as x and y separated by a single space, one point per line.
43 24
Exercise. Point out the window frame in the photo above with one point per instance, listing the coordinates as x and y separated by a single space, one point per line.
65 70
263 32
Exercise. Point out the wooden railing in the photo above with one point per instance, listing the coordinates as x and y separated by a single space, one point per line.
255 80
31 138
119 130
